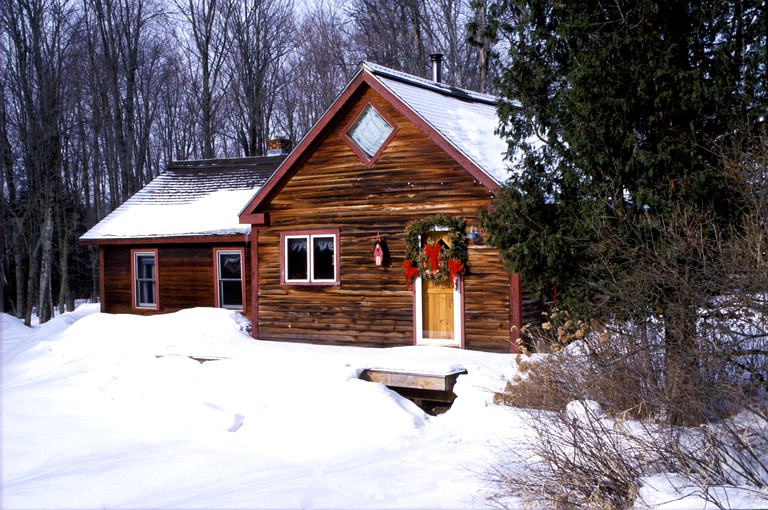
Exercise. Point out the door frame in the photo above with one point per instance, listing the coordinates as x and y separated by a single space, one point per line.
458 312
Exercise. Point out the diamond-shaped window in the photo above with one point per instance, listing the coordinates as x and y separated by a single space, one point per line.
370 132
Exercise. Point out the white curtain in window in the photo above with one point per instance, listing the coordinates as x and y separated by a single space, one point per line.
324 244
298 245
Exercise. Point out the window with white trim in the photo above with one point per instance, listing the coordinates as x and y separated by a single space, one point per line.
310 258
229 279
145 279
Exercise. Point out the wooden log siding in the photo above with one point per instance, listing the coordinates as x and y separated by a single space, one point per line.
486 301
413 179
185 273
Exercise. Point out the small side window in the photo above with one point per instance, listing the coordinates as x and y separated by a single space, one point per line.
230 288
144 280
310 258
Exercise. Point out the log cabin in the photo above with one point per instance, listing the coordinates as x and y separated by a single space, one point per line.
177 242
367 234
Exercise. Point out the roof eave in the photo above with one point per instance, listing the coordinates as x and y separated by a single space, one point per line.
174 239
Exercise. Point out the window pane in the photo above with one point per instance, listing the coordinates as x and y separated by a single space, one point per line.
370 131
296 258
146 293
145 266
231 294
229 265
323 258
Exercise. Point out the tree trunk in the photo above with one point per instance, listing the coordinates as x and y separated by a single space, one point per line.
29 303
21 294
484 51
46 264
65 298
2 257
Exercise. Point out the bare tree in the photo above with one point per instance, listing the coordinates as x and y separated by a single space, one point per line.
175 135
402 36
318 69
461 32
394 34
6 161
78 205
206 48
37 34
449 19
262 34
482 37
123 26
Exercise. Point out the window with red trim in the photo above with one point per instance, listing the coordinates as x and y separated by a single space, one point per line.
310 258
144 279
230 284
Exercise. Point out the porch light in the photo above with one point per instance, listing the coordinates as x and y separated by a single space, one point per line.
474 235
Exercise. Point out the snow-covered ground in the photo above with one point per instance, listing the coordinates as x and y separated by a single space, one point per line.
108 411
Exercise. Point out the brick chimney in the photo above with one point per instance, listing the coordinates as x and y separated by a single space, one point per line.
278 146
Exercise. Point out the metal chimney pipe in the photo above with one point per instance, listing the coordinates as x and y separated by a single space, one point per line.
437 67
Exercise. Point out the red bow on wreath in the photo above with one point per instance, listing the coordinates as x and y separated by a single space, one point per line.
455 267
432 251
411 272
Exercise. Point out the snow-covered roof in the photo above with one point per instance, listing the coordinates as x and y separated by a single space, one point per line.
188 199
466 119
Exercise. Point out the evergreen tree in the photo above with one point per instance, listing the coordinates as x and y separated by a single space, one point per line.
623 113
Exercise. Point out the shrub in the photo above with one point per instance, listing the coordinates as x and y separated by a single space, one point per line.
598 423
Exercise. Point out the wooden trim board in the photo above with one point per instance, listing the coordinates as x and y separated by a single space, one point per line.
411 379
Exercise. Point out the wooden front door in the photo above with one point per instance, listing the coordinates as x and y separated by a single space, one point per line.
438 305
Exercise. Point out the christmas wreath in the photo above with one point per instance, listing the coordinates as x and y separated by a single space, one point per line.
438 261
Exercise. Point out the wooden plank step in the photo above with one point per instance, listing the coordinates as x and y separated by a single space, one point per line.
396 378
